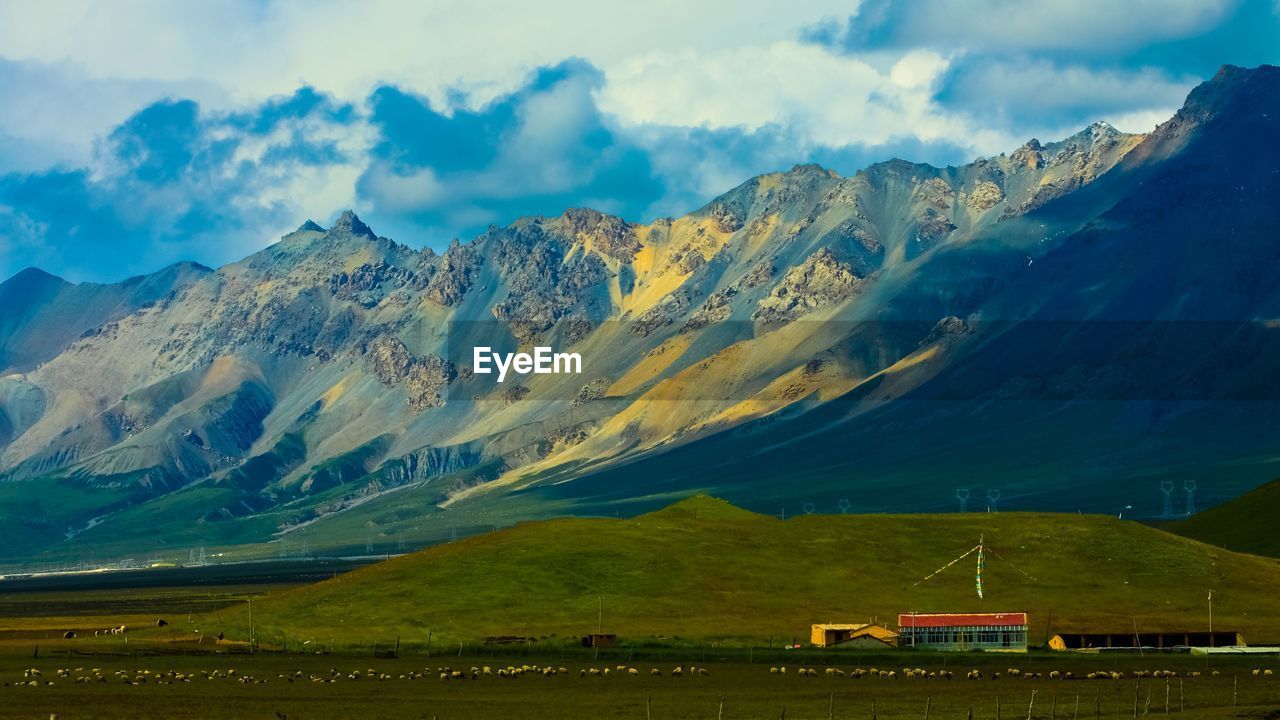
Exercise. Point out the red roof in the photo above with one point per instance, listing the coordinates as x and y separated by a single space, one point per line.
910 620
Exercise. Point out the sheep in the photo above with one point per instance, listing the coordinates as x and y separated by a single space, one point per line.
655 672
1268 672
773 671
974 675
1257 672
633 671
704 672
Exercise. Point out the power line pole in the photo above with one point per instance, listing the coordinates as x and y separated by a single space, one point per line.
250 626
600 614
1211 643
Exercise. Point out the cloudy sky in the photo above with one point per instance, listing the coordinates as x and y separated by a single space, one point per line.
137 133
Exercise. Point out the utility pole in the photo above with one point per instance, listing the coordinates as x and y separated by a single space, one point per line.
600 614
1211 643
251 651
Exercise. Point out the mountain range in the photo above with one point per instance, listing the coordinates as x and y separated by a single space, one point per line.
1062 327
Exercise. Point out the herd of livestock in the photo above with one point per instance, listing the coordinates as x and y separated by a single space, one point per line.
975 674
34 677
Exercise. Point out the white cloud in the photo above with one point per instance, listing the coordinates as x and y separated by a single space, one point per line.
831 98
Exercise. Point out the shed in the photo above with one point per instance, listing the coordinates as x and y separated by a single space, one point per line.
858 634
1148 640
599 640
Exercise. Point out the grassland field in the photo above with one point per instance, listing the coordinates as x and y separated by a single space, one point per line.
700 584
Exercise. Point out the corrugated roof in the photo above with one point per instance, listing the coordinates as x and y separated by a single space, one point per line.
919 620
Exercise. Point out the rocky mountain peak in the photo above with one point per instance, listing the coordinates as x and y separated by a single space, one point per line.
349 224
311 226
1233 89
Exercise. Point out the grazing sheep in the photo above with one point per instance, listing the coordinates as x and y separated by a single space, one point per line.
1267 672
974 675
704 672
773 671
655 672
1256 672
632 671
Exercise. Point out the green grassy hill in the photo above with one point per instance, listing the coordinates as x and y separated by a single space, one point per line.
703 570
1245 524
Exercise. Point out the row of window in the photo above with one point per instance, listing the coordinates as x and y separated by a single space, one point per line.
1006 636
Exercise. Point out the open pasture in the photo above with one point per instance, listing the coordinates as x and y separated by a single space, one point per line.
814 686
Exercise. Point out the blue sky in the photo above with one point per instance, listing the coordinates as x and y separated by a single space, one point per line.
138 133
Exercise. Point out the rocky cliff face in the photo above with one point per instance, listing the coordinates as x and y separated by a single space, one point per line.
295 388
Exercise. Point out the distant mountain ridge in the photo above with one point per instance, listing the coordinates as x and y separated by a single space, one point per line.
1070 323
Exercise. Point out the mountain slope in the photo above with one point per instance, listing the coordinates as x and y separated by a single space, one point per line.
43 314
1243 524
705 570
1071 323
1127 341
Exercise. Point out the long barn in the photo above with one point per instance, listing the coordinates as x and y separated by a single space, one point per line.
998 632
1153 641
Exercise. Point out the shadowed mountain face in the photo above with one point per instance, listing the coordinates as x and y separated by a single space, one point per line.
1070 323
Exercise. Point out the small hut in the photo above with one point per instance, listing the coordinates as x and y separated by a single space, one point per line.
861 635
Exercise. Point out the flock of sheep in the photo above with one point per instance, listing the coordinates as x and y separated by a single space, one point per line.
922 674
33 677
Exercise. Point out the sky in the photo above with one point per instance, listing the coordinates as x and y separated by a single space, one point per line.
135 133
